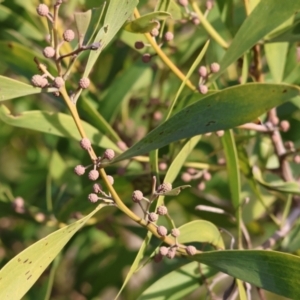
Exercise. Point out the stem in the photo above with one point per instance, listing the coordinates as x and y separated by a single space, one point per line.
56 42
164 57
211 31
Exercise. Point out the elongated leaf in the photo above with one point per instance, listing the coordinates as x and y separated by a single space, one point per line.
146 23
273 13
55 123
201 231
281 186
177 284
289 34
20 273
226 109
117 14
10 89
273 271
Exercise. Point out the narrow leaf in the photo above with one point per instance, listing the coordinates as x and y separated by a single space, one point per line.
55 123
226 109
20 273
201 231
273 13
276 272
146 23
10 89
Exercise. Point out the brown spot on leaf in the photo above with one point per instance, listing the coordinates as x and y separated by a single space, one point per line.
27 272
209 123
25 261
284 91
10 45
29 277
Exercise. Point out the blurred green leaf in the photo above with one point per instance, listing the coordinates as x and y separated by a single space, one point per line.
178 284
278 186
219 111
116 15
201 231
146 23
290 34
20 273
10 89
273 271
273 13
57 124
20 24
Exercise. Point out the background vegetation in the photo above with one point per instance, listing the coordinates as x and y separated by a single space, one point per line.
244 181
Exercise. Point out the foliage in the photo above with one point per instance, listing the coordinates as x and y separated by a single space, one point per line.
192 107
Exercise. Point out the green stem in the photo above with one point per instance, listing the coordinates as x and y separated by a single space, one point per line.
210 30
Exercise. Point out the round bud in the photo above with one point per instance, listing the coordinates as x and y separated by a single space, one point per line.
162 230
44 82
38 80
206 175
69 35
154 32
139 45
186 177
109 154
19 205
208 134
146 58
202 71
163 250
169 36
215 67
85 144
110 179
97 188
171 253
157 116
191 171
296 159
209 4
49 52
59 82
289 145
201 186
191 250
183 2
195 21
164 187
220 133
122 145
137 196
79 170
162 166
175 232
221 161
153 217
42 10
162 210
284 125
203 89
93 175
158 258
93 197
84 83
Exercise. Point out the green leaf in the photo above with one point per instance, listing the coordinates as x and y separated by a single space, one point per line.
273 271
55 123
290 34
273 13
10 89
146 23
226 109
20 273
176 191
201 231
279 186
178 284
88 22
122 88
117 14
172 7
